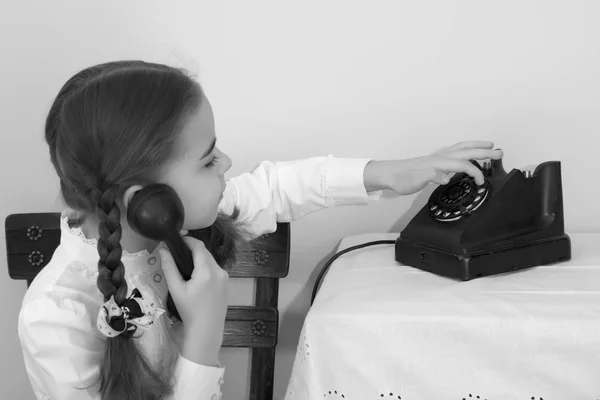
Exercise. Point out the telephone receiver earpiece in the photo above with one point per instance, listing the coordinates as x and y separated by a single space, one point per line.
156 212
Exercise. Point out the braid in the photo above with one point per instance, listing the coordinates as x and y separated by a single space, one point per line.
124 373
111 271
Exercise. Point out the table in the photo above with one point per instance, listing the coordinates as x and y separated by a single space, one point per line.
382 330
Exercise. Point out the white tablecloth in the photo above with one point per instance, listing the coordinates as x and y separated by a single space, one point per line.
382 330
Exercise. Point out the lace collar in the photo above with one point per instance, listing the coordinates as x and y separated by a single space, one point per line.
77 232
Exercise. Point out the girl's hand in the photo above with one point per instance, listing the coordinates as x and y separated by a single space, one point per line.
411 175
201 302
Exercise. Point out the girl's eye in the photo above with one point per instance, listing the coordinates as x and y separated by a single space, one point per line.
212 162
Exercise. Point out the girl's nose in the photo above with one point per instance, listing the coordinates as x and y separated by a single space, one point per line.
226 164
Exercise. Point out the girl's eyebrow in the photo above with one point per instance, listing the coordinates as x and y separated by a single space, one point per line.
210 148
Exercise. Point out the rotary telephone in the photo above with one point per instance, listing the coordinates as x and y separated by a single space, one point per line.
512 221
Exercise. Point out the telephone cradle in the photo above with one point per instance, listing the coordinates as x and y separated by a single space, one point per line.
511 222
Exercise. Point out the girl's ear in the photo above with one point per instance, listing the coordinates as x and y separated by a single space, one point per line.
129 193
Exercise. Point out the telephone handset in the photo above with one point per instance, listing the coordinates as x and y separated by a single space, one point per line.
512 221
156 212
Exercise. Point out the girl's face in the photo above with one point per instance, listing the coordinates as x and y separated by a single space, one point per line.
196 170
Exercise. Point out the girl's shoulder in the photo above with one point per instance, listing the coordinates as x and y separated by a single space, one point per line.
57 319
64 282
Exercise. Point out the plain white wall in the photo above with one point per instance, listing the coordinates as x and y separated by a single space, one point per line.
381 79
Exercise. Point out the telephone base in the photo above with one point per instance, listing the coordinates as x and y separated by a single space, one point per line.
483 263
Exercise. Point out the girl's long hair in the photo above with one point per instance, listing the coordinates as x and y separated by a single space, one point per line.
109 127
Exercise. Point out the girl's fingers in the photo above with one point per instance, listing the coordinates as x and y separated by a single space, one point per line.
202 257
472 145
172 275
440 177
457 165
476 154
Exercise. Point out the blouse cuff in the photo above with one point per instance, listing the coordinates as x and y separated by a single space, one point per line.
344 182
195 381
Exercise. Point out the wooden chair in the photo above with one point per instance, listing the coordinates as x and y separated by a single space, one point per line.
32 238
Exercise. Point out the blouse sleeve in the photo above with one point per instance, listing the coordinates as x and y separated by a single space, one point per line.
286 191
62 353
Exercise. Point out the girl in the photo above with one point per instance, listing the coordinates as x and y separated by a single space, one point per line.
94 324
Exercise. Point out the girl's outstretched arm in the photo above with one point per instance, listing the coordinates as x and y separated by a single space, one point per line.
286 191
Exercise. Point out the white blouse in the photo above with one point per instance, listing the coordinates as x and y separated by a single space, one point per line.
61 344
